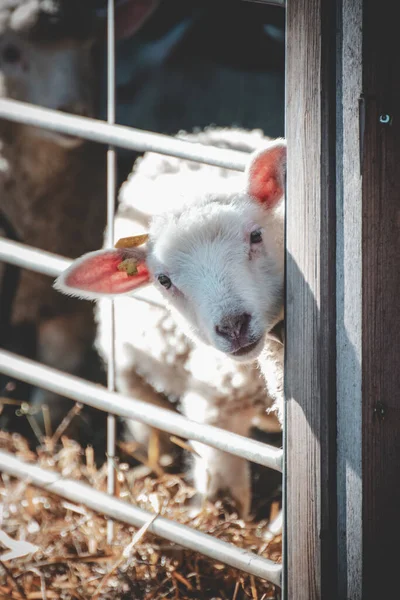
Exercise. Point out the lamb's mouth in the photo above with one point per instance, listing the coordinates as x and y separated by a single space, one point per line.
244 350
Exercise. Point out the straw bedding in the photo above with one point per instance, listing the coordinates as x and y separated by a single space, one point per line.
69 558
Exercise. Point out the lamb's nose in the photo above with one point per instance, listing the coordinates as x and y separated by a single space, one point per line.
234 327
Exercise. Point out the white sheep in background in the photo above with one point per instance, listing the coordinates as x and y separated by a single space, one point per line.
215 254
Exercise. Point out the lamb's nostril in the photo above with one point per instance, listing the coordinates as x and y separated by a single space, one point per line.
234 327
220 330
243 324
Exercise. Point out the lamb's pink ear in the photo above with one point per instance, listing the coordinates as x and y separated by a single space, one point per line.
266 173
99 274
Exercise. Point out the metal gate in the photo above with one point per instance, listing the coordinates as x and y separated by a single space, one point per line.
108 400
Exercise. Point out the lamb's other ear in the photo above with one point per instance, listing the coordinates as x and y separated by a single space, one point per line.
266 173
109 272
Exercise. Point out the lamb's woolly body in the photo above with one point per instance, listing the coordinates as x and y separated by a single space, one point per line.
151 342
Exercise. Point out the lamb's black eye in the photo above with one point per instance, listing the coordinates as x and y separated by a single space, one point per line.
11 53
256 236
165 281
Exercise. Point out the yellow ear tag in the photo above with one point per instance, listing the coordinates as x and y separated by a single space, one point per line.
129 265
132 241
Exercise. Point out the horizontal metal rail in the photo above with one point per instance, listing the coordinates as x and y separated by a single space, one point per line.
32 258
118 135
40 261
99 397
132 515
281 3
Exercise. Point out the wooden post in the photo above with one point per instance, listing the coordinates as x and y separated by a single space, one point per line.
350 123
368 318
343 309
380 301
310 493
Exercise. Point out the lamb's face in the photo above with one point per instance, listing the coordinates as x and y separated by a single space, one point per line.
219 263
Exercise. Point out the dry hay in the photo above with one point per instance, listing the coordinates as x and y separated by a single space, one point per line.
73 561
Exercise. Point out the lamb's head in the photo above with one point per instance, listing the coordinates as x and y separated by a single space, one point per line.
218 261
46 54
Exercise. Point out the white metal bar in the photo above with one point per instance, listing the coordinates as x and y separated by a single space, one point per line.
118 135
31 258
132 515
281 3
111 187
99 397
47 263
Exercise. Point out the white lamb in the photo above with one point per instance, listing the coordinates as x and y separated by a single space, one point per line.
215 254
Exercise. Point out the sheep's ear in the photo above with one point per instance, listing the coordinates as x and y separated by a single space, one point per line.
266 174
108 272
